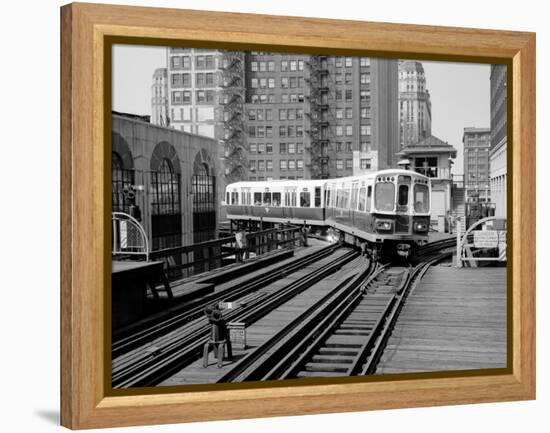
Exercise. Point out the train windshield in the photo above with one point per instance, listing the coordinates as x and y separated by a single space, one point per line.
421 198
384 196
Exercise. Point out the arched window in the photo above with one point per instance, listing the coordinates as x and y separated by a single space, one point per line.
165 206
121 178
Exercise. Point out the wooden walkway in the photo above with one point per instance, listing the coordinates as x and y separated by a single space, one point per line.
454 320
260 331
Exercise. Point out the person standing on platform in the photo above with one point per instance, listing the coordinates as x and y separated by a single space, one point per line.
304 233
240 245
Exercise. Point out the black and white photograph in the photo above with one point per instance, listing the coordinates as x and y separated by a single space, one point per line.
306 217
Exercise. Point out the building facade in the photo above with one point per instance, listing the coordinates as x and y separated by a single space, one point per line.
415 107
497 154
477 142
319 116
287 116
174 177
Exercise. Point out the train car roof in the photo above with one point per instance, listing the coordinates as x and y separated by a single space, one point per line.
317 182
277 182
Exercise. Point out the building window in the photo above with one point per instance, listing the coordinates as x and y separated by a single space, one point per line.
365 163
261 165
269 165
252 148
349 146
349 95
254 66
365 130
269 131
269 148
300 148
284 66
282 148
365 61
348 62
339 130
282 165
291 164
339 164
339 62
349 164
349 130
300 164
349 113
364 95
348 78
365 78
284 82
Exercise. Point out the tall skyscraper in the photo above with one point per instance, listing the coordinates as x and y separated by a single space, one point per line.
476 164
159 98
497 154
415 107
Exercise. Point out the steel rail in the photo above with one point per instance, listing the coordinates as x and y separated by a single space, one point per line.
160 364
194 309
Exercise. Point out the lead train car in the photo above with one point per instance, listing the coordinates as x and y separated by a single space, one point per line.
389 209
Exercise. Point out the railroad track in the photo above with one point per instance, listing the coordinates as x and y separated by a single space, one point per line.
342 336
158 362
193 310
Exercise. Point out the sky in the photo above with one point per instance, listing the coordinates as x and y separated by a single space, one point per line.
460 92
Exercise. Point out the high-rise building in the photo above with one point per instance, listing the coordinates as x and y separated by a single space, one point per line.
477 142
320 116
497 153
415 107
159 98
287 116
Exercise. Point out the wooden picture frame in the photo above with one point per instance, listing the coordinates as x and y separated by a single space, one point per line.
85 265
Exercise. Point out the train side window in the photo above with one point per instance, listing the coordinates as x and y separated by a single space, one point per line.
327 197
354 191
362 199
257 199
266 199
345 204
276 199
305 199
369 196
227 198
317 196
234 198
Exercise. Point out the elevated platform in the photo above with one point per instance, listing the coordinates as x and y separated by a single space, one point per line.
454 320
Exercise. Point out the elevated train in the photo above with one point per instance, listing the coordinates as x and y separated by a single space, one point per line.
388 209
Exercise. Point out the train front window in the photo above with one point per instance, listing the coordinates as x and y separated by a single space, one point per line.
403 197
421 198
384 196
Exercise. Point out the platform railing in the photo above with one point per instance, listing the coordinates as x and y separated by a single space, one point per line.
129 237
187 260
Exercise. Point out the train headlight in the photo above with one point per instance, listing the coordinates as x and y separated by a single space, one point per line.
383 225
420 227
